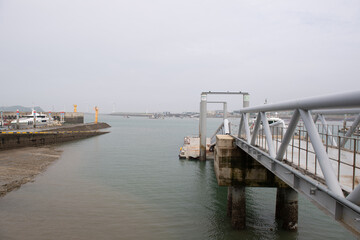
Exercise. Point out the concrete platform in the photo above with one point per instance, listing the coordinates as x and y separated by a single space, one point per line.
191 148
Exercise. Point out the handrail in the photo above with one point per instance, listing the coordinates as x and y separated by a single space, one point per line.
335 101
302 110
224 128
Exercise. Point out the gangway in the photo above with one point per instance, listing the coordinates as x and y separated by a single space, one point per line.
316 161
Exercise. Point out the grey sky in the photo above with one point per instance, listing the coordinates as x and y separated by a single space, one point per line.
159 55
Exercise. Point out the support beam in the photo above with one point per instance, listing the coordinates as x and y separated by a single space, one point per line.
354 196
247 129
288 135
241 125
325 165
326 129
202 127
256 130
268 135
350 131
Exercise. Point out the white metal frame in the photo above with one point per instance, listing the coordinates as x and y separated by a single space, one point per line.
329 196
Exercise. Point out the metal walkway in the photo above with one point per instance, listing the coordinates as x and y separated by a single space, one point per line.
320 161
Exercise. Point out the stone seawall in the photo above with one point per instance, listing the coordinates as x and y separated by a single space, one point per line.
10 140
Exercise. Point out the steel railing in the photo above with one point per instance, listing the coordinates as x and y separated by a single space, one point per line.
224 128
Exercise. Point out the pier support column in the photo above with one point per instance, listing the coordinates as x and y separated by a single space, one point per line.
237 207
287 208
229 202
202 127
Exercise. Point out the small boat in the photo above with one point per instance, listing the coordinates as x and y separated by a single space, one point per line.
272 121
40 118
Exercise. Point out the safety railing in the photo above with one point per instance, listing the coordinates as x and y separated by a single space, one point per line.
224 129
299 153
264 137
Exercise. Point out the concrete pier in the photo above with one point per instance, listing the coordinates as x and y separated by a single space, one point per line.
237 170
287 208
237 207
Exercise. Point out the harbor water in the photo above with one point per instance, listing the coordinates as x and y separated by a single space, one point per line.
130 184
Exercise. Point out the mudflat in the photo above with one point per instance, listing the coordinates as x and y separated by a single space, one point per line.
19 166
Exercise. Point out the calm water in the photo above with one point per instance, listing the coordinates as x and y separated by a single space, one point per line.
130 184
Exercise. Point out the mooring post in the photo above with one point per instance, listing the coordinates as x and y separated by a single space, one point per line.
287 207
202 126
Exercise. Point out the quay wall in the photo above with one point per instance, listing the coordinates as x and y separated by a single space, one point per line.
10 140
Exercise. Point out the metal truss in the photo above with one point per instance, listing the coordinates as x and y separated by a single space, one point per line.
329 195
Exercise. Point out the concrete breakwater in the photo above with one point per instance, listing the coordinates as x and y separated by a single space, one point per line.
10 140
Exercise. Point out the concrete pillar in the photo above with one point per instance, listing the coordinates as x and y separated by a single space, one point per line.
229 202
202 127
237 208
287 208
246 100
225 110
246 103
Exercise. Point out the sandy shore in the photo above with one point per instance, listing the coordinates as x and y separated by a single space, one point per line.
19 166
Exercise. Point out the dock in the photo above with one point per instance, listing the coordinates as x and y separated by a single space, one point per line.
191 148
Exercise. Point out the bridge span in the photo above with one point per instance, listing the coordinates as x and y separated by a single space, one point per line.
319 160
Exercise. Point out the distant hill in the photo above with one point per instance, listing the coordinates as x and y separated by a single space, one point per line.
21 109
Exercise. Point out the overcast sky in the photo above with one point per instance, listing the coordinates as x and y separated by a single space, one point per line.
159 55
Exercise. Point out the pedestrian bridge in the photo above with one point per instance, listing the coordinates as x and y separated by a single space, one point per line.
311 156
